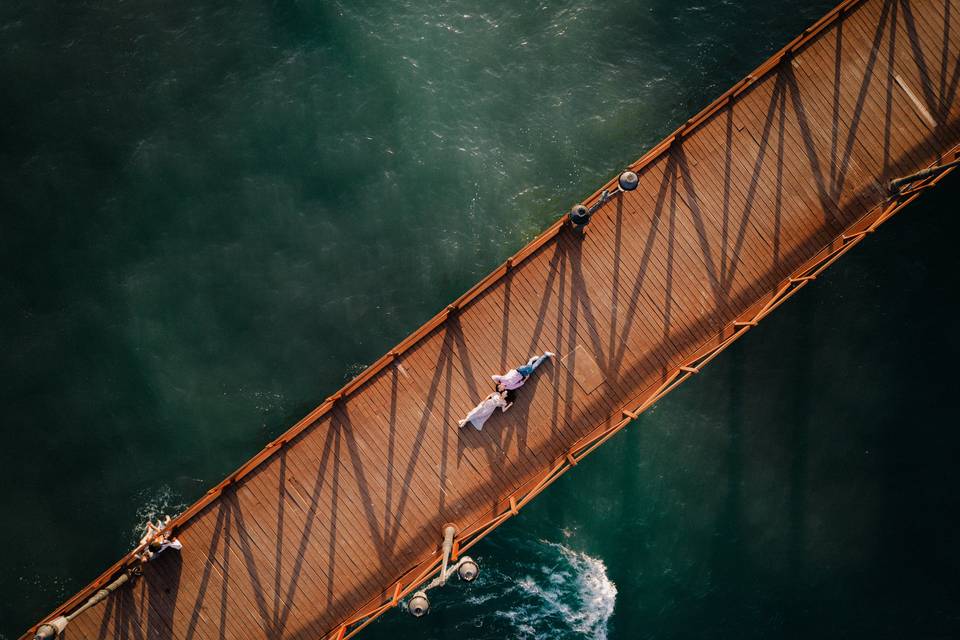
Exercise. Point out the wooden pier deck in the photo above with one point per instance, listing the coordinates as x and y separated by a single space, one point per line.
741 207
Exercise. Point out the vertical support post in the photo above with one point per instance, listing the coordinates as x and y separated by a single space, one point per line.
448 532
455 554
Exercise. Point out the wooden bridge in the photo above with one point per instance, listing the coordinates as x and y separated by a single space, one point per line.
339 518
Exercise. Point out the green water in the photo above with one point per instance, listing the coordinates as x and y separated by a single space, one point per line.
213 214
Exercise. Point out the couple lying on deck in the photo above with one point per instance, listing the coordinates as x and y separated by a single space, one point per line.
156 539
503 397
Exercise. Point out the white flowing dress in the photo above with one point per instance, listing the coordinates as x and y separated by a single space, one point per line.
479 414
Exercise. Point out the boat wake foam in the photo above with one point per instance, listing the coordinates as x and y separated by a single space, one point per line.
154 504
557 593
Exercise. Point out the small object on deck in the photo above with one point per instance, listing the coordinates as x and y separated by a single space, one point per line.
579 217
419 604
604 198
920 175
916 103
628 181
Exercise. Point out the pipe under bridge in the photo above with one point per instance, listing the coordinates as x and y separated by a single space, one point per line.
741 207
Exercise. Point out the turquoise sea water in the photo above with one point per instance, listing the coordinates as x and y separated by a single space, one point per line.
213 214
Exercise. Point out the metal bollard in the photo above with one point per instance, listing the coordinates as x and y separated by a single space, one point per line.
628 181
468 569
419 604
465 567
579 216
52 629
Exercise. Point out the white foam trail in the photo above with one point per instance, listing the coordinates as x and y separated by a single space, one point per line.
598 594
572 595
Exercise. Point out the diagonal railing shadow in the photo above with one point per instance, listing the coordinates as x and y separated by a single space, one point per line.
939 99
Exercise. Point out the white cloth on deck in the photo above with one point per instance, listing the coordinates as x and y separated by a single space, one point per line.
479 414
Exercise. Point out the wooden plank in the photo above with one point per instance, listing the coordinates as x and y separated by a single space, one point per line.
584 368
464 383
893 116
933 70
780 211
756 178
885 112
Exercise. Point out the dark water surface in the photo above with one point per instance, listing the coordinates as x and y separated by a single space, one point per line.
213 214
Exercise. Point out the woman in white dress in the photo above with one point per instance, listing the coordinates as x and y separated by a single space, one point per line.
479 414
